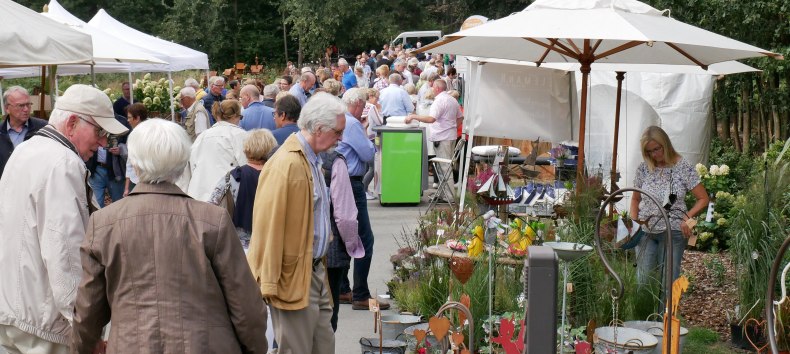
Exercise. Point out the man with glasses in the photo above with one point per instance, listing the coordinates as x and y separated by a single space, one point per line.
44 209
215 93
291 231
256 114
286 114
17 125
302 88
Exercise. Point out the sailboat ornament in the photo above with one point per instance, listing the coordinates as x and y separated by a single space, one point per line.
495 188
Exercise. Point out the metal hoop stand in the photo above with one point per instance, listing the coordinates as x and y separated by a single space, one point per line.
769 296
618 293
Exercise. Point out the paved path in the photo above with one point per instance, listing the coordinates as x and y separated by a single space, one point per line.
387 222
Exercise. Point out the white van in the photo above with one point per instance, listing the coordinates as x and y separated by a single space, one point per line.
410 39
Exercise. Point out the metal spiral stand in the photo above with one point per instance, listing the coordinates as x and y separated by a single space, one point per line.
618 293
769 296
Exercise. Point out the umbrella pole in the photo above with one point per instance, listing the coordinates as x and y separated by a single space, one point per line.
131 91
613 175
170 91
2 104
585 69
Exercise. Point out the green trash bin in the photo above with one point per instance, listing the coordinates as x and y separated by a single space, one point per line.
404 165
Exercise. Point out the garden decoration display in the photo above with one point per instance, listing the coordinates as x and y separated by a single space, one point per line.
449 337
616 294
758 341
770 316
559 154
567 252
507 329
672 325
495 190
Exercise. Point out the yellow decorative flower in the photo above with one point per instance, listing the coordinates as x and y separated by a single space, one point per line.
476 245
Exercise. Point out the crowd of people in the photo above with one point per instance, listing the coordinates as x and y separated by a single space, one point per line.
188 235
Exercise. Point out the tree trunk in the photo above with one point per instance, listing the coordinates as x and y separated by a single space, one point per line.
747 119
299 55
235 32
777 131
725 127
713 131
285 40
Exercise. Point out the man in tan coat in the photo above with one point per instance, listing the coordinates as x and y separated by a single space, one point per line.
291 231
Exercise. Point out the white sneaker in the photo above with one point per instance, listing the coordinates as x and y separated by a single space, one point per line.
370 196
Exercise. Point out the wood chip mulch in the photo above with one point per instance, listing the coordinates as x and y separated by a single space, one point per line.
712 291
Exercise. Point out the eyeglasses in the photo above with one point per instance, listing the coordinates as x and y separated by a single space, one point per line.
21 105
218 85
339 133
653 151
100 132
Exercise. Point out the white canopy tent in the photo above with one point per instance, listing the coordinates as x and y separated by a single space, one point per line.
30 39
516 100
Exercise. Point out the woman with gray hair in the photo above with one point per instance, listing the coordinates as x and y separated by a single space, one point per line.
165 267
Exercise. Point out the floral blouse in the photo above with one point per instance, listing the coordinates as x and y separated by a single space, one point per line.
681 178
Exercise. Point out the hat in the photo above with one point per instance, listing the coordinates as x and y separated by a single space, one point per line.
413 61
87 100
307 69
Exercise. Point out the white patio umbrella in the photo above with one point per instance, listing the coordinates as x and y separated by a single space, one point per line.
599 31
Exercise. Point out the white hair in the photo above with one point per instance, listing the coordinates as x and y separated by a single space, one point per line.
270 90
320 113
216 79
14 89
342 61
158 150
187 92
355 95
58 119
190 82
396 79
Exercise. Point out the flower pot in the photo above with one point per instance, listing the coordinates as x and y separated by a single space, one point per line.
738 335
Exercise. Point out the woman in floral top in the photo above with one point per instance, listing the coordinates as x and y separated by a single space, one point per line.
668 177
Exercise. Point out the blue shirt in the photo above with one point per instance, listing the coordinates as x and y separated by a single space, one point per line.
280 134
349 79
256 116
395 101
321 226
356 147
298 92
16 138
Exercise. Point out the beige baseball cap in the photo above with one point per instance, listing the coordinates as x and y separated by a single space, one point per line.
87 100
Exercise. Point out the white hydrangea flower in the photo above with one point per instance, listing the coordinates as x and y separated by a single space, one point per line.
701 170
705 236
157 101
721 221
147 76
107 91
724 170
714 170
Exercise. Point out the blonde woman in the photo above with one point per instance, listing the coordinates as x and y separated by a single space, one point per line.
217 150
382 78
668 177
243 181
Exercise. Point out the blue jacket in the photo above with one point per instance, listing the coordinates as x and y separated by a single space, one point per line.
256 116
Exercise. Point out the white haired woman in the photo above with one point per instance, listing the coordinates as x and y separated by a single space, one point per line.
217 150
242 182
165 267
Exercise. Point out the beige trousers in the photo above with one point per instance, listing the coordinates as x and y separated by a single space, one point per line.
445 151
308 330
15 341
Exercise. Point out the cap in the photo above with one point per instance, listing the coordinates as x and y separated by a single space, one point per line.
87 100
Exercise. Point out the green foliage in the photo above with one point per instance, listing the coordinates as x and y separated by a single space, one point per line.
716 269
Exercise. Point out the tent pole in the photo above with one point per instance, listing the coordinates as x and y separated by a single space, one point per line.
585 60
2 103
131 91
613 173
41 94
476 68
170 90
57 87
93 75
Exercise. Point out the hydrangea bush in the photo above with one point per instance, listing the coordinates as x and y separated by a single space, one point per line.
719 184
154 94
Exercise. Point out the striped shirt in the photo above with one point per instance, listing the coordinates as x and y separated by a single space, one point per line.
321 225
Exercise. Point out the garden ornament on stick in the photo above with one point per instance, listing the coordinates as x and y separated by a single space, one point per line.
678 288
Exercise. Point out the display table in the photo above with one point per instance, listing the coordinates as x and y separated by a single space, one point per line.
404 164
445 252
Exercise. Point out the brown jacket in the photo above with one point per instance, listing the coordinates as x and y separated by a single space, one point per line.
281 247
171 274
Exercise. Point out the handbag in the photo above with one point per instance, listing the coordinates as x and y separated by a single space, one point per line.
227 201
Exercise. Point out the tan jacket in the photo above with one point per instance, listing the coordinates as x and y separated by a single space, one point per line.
169 271
281 247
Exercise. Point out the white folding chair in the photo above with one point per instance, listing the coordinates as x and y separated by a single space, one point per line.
445 178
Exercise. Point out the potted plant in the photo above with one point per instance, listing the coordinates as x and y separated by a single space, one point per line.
560 154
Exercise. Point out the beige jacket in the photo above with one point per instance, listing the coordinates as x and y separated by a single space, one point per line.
43 214
281 247
170 273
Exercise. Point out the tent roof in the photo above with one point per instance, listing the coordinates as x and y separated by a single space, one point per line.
31 39
181 57
107 48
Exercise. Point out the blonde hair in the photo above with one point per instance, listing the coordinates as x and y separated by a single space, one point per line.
655 133
226 110
384 71
280 95
333 87
259 145
373 92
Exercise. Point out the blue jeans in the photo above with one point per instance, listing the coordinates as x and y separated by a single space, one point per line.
650 256
360 291
101 180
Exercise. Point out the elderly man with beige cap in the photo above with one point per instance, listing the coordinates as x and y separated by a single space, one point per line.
44 208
